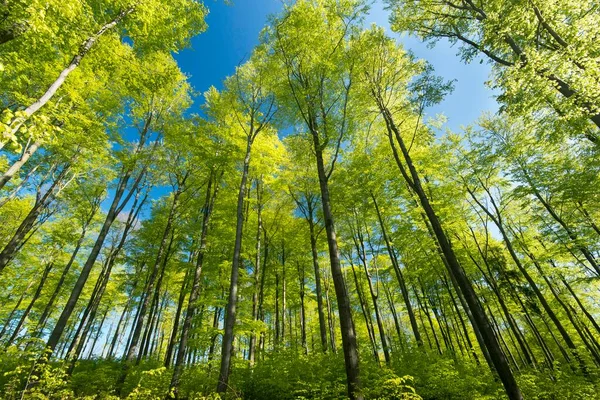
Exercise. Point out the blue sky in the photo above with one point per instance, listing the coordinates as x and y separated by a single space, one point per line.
233 31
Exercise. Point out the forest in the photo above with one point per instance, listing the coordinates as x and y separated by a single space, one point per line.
311 229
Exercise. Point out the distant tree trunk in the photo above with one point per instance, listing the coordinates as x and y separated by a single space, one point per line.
119 201
230 312
211 195
366 315
115 339
48 309
301 278
257 272
175 329
345 311
42 202
422 301
498 221
283 291
8 321
133 350
399 276
97 335
362 255
570 232
261 293
318 290
460 278
36 295
277 321
392 307
581 306
330 321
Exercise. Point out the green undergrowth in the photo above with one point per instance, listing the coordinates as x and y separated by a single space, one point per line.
284 375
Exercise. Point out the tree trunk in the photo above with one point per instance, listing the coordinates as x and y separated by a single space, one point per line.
318 289
257 272
42 202
463 284
497 219
211 195
399 276
48 309
360 248
36 295
133 350
115 208
10 173
84 49
366 315
230 312
345 311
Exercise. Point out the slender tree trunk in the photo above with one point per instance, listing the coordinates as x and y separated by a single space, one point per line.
41 203
36 295
423 305
134 347
463 284
8 321
580 304
360 248
48 309
318 289
399 276
175 329
570 232
211 195
345 311
257 272
230 312
366 315
115 208
84 49
301 278
330 322
16 166
115 339
498 221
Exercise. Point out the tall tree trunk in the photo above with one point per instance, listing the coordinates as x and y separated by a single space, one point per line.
301 292
498 221
330 322
49 305
257 271
211 195
175 328
134 347
230 311
36 295
8 321
366 315
399 275
318 289
117 205
463 284
344 309
42 202
115 339
570 232
360 248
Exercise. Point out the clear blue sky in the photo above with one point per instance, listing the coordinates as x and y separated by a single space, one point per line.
233 31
